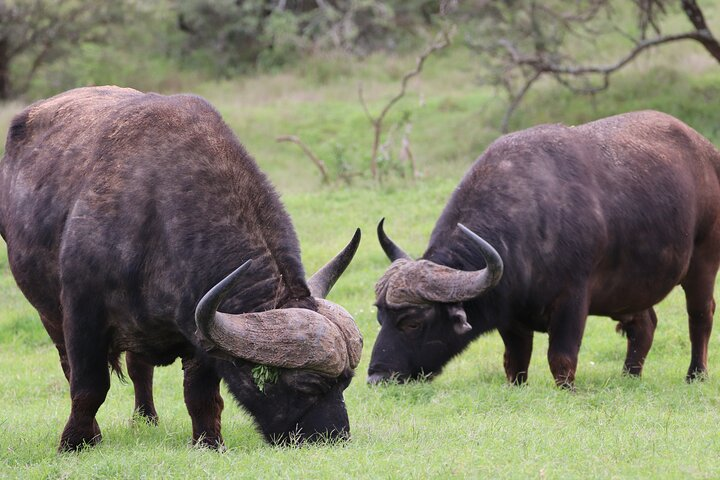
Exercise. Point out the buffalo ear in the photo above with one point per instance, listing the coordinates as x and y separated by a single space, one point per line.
458 317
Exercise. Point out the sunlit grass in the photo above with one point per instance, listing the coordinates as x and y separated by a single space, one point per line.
467 423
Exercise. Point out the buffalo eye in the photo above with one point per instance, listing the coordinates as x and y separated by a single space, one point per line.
309 383
409 325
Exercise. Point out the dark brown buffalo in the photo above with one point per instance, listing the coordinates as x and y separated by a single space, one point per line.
603 218
120 210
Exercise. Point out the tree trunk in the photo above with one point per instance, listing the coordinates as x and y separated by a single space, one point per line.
696 17
4 69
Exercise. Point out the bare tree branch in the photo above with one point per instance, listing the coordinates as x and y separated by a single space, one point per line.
532 44
515 100
309 153
406 152
377 122
697 18
361 97
543 66
39 59
648 15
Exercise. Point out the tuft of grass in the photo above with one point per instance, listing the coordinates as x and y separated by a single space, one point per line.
263 374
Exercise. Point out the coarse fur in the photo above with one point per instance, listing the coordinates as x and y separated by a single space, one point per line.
120 210
603 219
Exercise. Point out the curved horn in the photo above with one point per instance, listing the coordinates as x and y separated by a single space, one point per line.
295 338
325 341
324 279
424 281
347 326
493 261
209 303
392 251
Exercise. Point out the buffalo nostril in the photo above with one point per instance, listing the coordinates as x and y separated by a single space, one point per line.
376 378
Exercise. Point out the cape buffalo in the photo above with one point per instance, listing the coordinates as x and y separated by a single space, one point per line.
120 210
603 219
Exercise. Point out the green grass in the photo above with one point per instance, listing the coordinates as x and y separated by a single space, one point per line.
468 422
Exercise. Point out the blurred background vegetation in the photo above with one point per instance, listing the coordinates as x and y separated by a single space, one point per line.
339 77
48 46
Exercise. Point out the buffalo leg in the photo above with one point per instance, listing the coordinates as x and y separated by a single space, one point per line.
698 285
567 325
518 350
640 330
141 374
54 329
203 401
89 375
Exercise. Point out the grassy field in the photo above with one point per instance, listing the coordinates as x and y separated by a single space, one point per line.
467 423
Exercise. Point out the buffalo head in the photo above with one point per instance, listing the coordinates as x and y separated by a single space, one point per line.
422 319
312 353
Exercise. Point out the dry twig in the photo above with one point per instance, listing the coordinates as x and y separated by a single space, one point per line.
377 122
309 153
406 153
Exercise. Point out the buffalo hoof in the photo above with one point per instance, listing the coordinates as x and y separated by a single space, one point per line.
565 385
632 371
213 443
74 439
146 415
73 442
696 375
518 380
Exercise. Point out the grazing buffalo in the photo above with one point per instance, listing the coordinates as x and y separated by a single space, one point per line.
120 211
603 219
